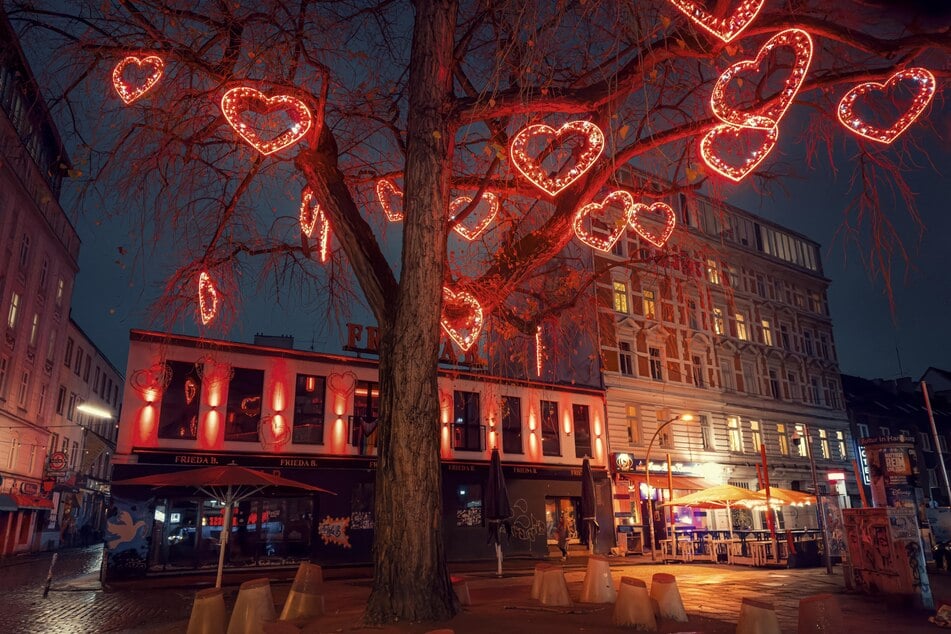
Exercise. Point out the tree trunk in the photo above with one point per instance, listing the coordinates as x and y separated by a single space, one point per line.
411 579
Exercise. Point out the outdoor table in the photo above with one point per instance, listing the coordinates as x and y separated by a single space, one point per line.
684 549
723 547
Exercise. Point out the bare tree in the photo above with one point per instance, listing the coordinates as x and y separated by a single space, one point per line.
429 95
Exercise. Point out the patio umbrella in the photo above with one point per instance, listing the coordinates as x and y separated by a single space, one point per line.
588 503
718 497
228 483
498 511
788 496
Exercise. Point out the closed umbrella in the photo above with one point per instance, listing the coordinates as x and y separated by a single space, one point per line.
498 511
589 504
228 483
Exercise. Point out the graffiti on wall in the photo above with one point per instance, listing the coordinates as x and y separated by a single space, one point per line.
333 530
127 536
525 526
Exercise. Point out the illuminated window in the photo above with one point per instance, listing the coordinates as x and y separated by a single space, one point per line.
634 435
14 310
707 437
718 321
735 434
620 297
34 329
782 439
649 304
467 421
60 291
551 430
767 333
741 326
309 410
713 273
582 427
840 442
756 435
802 447
824 444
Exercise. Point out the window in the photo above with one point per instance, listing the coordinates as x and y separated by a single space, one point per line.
802 446
735 434
308 409
243 414
774 384
61 400
24 251
832 394
718 321
767 333
749 379
78 363
634 436
34 329
707 437
73 455
807 342
512 424
24 390
656 365
840 445
863 430
814 390
467 421
95 381
582 427
14 450
730 278
51 346
44 273
649 304
756 435
784 337
14 310
468 505
4 372
626 359
942 444
741 327
885 431
86 368
727 375
824 346
41 404
68 356
551 434
793 381
71 408
782 439
620 297
366 411
692 315
60 291
697 371
54 444
713 273
824 444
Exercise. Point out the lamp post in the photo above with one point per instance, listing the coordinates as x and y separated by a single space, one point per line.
647 475
820 511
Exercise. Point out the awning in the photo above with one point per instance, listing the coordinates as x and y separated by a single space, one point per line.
659 481
7 503
33 502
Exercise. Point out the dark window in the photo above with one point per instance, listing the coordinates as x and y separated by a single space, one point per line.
551 437
366 411
180 400
579 414
466 421
512 424
626 359
657 367
244 405
774 384
61 400
469 503
68 356
309 410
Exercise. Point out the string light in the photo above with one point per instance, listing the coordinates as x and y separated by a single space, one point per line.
385 190
460 203
736 173
151 382
539 356
207 298
617 198
853 123
237 101
768 116
724 28
151 64
312 217
586 156
670 221
191 390
465 308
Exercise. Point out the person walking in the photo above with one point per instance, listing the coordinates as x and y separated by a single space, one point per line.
561 536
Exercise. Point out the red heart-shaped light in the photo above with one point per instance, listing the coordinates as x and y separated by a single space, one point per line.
207 298
488 205
461 317
388 193
670 221
312 217
342 384
603 211
153 67
151 382
589 143
753 149
191 390
243 99
725 28
769 115
926 90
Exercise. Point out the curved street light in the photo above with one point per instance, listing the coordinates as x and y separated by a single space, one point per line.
647 471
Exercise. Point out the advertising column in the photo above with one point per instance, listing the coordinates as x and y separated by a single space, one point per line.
893 467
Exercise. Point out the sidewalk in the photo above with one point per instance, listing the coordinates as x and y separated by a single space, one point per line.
711 592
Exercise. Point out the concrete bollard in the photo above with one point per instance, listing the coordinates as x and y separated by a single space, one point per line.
461 587
554 589
304 599
208 613
598 586
253 608
820 613
665 592
757 617
634 607
537 580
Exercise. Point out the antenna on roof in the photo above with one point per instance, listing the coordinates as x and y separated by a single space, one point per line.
901 372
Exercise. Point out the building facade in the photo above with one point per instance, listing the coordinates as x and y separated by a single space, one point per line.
312 417
38 263
728 323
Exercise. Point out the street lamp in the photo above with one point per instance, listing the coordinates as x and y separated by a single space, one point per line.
647 475
796 438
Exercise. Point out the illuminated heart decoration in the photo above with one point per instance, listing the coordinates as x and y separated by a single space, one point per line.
150 382
191 390
207 298
342 384
585 155
617 226
751 158
461 317
926 90
388 193
769 115
312 217
488 203
724 28
670 221
243 99
153 65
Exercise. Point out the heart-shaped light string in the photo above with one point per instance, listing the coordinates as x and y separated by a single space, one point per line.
615 229
385 192
312 217
488 199
725 28
465 308
585 156
750 160
670 221
207 298
852 122
129 93
238 101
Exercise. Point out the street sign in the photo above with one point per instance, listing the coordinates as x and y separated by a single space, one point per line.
58 461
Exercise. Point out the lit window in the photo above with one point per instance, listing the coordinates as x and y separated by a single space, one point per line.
741 327
767 333
718 321
14 310
649 304
34 329
713 273
824 444
802 447
706 433
633 425
60 291
620 297
756 435
840 441
735 434
782 439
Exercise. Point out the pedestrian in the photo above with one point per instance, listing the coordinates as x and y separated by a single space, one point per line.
561 537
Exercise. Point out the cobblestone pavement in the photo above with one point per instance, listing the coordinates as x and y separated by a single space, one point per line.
711 594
